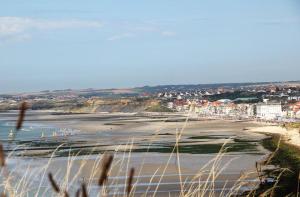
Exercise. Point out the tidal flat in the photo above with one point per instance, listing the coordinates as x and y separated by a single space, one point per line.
143 141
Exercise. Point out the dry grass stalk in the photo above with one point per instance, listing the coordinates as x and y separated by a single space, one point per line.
3 194
53 183
258 170
2 156
21 117
270 157
66 194
270 192
84 190
130 180
77 194
298 184
105 169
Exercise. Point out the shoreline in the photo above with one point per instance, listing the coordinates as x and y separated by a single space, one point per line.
290 136
157 123
202 134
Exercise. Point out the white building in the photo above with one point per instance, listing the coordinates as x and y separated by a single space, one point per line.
269 110
170 105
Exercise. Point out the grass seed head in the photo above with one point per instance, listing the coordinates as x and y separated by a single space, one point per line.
77 194
66 194
130 180
53 183
84 190
105 169
2 156
21 117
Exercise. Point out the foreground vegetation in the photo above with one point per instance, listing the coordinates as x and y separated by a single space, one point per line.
286 162
158 108
292 125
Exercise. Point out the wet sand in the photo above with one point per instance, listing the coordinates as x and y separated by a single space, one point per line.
147 142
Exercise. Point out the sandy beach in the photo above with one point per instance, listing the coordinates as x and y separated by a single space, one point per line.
146 143
290 136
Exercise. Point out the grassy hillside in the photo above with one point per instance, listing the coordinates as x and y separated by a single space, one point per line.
120 105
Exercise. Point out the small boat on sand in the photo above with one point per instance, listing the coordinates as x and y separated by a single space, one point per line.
11 134
43 135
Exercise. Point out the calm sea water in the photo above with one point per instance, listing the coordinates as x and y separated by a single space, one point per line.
30 132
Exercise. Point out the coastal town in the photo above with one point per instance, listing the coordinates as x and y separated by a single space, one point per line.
260 101
271 102
277 107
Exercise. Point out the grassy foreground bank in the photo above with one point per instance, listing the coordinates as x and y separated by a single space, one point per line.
286 159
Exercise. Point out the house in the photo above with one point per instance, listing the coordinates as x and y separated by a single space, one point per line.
269 110
294 110
294 98
245 110
170 105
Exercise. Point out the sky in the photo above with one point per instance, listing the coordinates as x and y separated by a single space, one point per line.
60 44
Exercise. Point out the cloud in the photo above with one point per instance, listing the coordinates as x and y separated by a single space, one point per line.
120 36
168 33
146 29
19 27
137 30
23 28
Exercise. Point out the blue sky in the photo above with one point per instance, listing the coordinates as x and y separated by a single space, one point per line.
58 44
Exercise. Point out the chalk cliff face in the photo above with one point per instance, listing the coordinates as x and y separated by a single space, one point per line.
116 105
